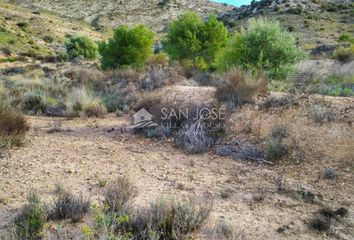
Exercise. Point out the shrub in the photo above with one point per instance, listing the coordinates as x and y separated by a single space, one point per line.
157 59
239 87
320 223
338 85
94 109
329 173
69 206
330 7
29 223
346 37
263 45
193 41
13 126
170 219
90 78
317 113
80 101
32 102
344 54
119 194
225 231
275 149
127 47
296 11
260 195
193 137
80 46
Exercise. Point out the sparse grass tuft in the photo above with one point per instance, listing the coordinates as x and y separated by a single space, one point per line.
225 231
260 194
119 194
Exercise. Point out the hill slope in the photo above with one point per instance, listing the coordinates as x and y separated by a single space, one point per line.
154 13
37 33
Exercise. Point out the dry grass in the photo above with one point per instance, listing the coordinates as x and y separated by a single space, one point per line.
13 126
119 194
239 87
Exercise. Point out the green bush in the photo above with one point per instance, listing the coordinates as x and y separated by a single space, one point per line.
344 54
127 47
191 40
264 45
346 37
338 85
80 46
30 221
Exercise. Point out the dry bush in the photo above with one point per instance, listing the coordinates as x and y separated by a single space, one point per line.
86 76
193 137
127 74
275 148
66 205
223 230
239 87
13 127
170 219
119 194
158 59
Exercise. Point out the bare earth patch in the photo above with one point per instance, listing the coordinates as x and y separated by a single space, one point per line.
96 149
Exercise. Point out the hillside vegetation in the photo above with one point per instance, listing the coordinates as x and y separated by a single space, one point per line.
314 22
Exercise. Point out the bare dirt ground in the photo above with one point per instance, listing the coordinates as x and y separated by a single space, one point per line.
77 159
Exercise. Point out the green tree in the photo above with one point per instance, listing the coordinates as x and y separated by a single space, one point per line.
191 39
264 45
127 47
81 46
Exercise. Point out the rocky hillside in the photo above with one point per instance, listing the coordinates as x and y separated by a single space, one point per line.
107 13
37 33
315 23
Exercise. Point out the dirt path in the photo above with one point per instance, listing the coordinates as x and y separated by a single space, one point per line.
77 159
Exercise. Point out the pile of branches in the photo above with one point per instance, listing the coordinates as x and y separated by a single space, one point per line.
242 152
193 137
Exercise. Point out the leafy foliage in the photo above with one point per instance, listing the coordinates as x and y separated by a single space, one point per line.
264 45
81 46
30 221
127 47
189 39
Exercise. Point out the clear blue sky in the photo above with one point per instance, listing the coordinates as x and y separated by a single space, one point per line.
234 2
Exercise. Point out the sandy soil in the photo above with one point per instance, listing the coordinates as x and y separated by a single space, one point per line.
91 151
